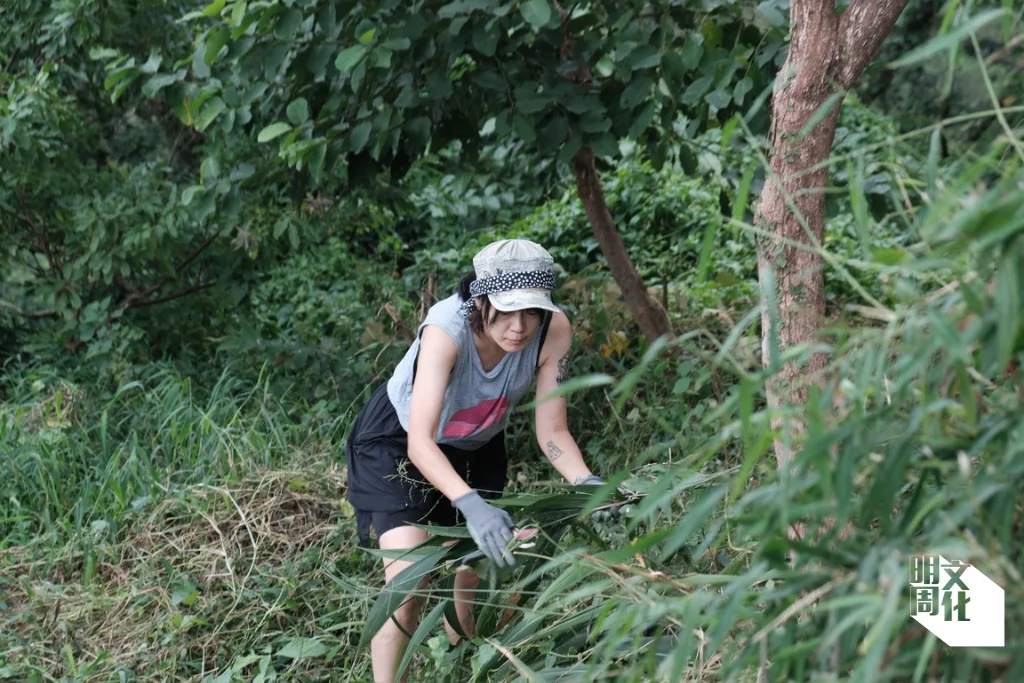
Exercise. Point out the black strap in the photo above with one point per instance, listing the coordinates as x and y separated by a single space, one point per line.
543 334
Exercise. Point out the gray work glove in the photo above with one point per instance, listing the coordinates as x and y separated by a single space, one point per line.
489 526
599 516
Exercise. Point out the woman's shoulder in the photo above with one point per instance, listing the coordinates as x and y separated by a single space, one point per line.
559 336
446 314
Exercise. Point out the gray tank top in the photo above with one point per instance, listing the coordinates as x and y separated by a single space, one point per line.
477 404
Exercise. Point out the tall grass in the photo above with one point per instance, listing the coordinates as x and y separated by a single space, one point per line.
74 461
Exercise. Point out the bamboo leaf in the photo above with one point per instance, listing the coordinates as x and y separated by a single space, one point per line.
947 41
694 518
426 626
395 593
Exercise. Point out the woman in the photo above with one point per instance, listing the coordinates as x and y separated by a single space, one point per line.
428 447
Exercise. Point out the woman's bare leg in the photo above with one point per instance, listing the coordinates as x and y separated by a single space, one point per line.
465 592
387 646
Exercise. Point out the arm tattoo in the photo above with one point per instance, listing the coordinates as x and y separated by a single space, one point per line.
563 370
554 452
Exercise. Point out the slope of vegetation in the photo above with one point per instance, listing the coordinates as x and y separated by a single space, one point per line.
179 377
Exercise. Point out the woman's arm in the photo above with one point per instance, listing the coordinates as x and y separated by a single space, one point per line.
552 428
436 360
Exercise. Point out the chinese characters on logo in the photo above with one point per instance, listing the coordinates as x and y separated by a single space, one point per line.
926 584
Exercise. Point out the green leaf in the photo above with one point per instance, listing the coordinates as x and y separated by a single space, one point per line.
273 58
102 53
947 41
360 135
216 39
637 91
439 86
211 110
124 85
206 206
536 12
272 131
485 40
696 90
739 207
115 76
719 99
288 21
186 594
238 12
642 121
298 111
713 34
728 129
357 75
418 636
241 172
367 37
705 250
395 593
349 57
214 8
209 169
199 66
554 133
523 127
693 50
418 130
152 64
302 648
1008 302
644 57
695 517
604 145
316 162
772 14
673 70
408 98
397 44
317 58
742 89
382 58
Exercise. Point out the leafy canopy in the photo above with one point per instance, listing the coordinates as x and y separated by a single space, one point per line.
355 88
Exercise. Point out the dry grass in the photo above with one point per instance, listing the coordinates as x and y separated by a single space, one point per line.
192 581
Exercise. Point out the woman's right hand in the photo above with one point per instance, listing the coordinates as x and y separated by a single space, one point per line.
490 527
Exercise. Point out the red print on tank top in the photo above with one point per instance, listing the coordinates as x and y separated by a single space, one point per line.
481 416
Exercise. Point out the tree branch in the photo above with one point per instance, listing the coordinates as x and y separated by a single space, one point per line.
399 323
1007 49
42 313
137 296
198 287
40 232
862 28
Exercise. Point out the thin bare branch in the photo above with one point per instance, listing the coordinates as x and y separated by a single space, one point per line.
198 287
42 313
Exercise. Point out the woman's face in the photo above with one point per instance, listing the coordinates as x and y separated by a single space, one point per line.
512 331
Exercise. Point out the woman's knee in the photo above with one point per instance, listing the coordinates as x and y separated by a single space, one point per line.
400 538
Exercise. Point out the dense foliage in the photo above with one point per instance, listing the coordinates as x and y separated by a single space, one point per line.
189 321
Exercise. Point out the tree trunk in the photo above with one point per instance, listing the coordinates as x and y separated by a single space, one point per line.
649 315
827 53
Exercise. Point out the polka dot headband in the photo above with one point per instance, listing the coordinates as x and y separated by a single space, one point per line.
504 282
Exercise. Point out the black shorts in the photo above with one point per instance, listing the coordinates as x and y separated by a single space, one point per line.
386 489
